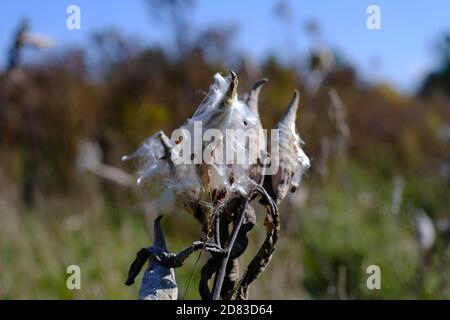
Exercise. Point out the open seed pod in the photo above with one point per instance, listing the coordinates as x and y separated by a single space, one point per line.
198 163
290 158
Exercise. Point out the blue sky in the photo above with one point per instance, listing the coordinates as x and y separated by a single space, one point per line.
404 45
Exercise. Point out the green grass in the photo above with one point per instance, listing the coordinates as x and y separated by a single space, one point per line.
327 241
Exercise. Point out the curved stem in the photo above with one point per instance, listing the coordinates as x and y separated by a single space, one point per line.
262 258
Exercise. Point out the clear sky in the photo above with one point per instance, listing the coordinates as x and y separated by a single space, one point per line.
403 47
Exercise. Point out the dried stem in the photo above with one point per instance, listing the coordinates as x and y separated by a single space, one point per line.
227 250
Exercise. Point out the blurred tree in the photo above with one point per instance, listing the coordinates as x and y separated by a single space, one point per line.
175 15
440 78
216 42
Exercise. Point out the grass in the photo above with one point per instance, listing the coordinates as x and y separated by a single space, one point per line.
331 232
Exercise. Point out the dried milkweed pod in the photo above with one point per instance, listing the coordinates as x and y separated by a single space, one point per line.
218 191
257 170
194 183
292 160
159 282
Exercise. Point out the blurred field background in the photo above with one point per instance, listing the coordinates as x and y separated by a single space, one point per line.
377 193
